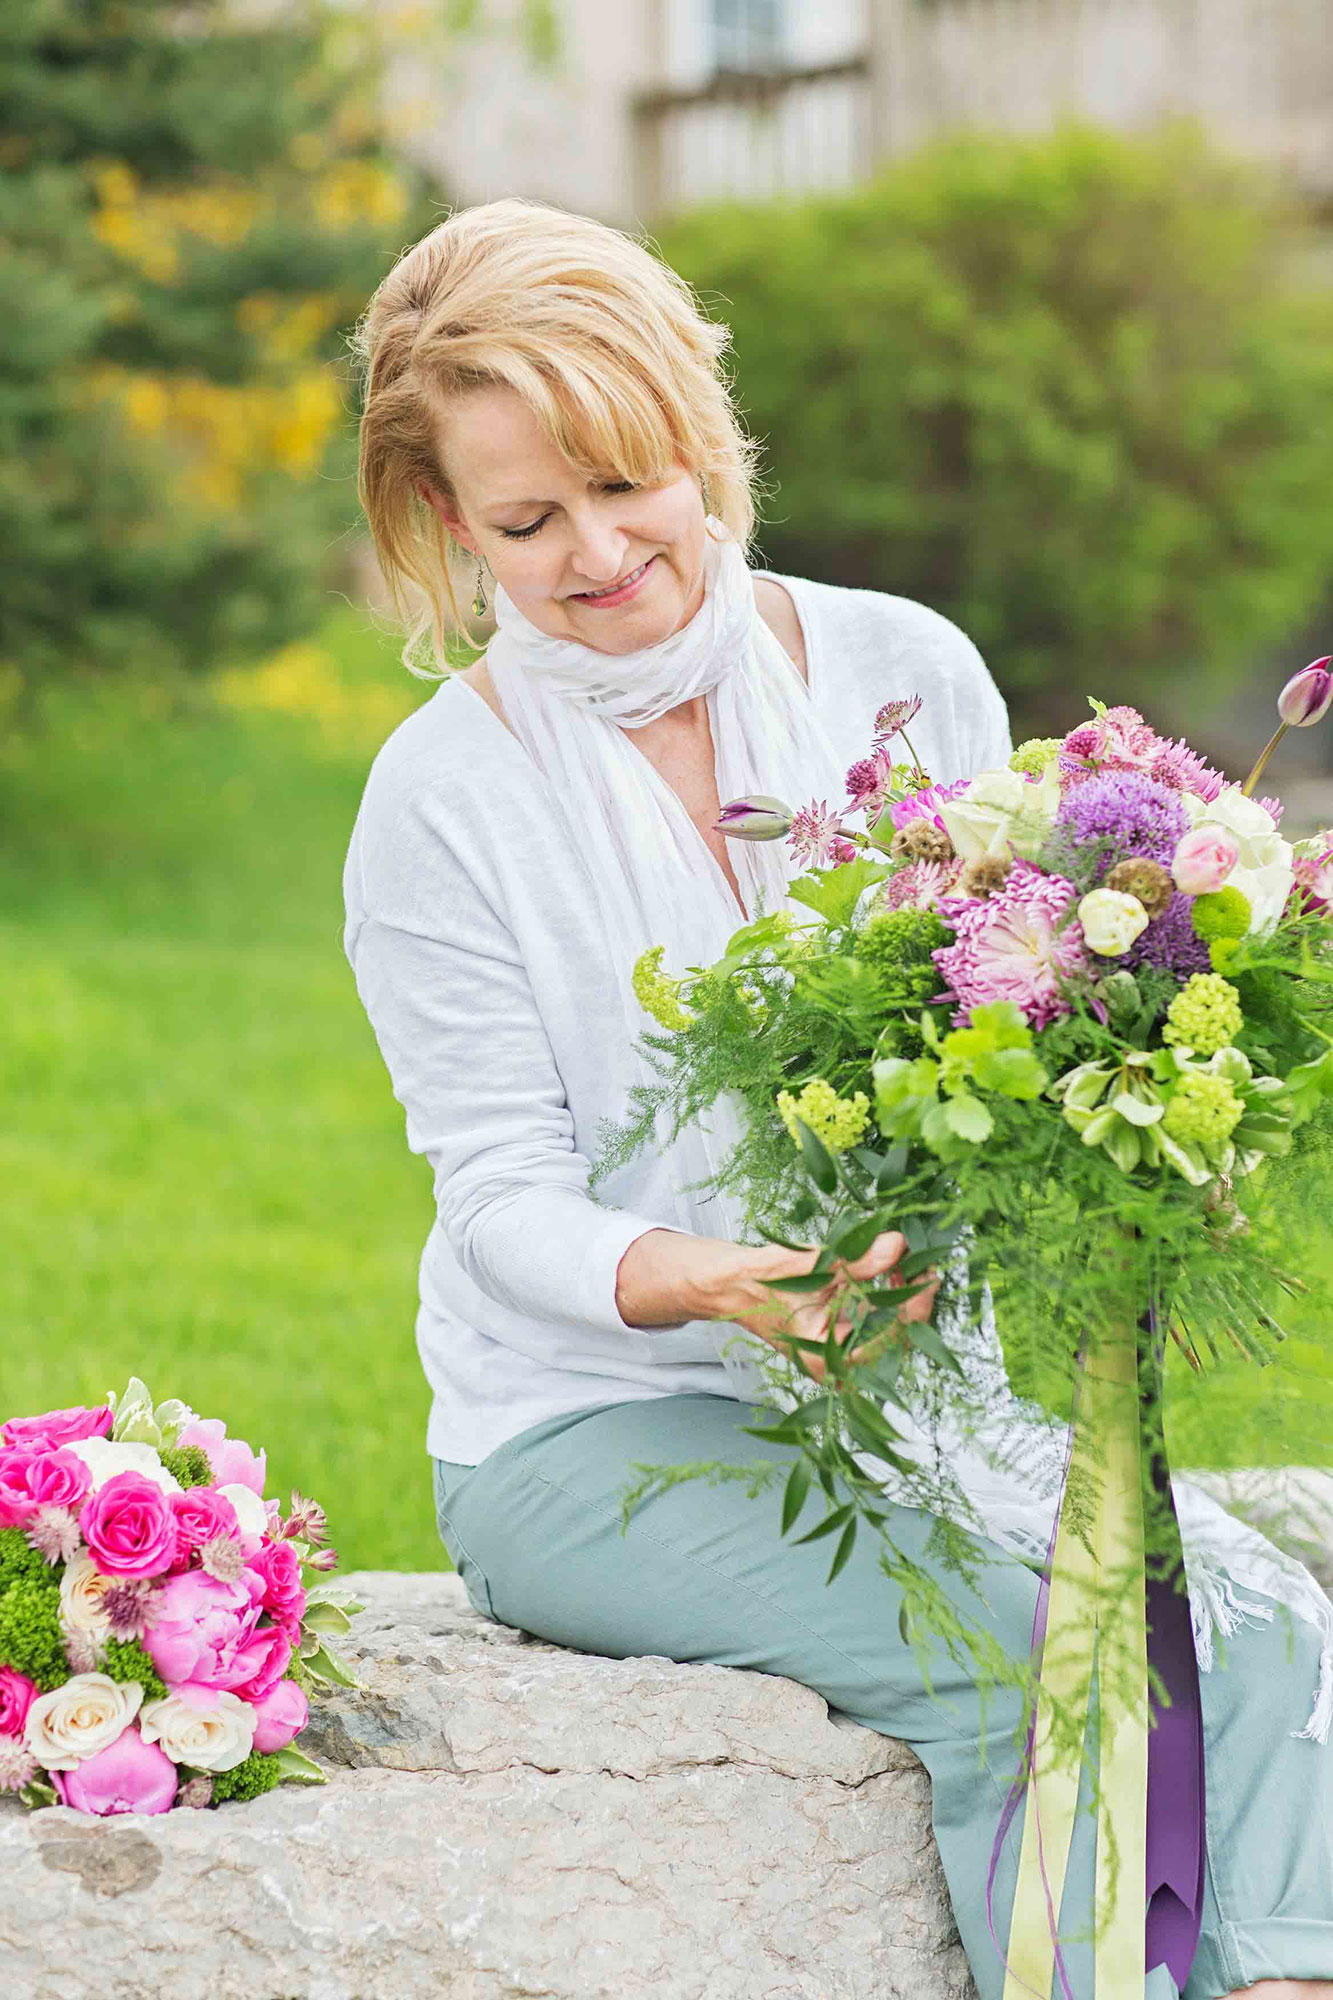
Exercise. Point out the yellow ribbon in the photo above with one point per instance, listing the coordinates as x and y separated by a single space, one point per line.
1100 1536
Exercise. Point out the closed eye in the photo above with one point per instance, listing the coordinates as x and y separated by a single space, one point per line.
522 534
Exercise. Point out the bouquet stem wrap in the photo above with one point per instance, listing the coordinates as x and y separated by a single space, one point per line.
1151 1797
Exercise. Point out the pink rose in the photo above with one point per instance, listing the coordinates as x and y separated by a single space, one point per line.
280 1715
233 1462
33 1479
279 1568
203 1630
129 1527
17 1695
1203 860
129 1776
200 1515
266 1655
57 1427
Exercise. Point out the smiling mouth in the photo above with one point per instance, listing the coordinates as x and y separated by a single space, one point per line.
614 589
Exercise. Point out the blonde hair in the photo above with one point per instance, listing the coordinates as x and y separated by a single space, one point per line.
608 347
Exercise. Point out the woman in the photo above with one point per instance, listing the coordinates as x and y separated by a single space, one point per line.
542 390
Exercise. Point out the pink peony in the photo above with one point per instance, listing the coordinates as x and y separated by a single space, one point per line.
17 1695
232 1461
1204 858
56 1428
267 1655
129 1527
30 1480
1009 948
278 1567
200 1515
280 1715
129 1776
204 1631
926 805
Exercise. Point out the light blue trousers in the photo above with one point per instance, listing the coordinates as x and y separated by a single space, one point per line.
702 1573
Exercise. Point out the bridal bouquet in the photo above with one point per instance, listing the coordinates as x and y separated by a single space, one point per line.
161 1624
1068 1025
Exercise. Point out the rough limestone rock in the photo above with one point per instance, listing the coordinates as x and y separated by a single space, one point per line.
509 1818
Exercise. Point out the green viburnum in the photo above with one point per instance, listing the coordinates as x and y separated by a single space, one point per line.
187 1464
1036 755
657 992
934 1098
19 1558
256 1774
1205 1015
837 1121
126 1660
1204 1110
1225 913
900 937
31 1640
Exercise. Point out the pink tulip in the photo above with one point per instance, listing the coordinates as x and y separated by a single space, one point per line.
30 1480
17 1695
129 1776
232 1460
757 818
129 1527
56 1428
280 1715
1308 695
1203 860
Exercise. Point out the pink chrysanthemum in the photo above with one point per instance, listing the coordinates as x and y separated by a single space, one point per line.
921 886
1014 946
815 832
1185 771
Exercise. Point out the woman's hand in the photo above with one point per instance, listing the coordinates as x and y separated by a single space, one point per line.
666 1278
776 1316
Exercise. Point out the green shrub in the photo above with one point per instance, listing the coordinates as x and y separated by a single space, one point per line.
1064 390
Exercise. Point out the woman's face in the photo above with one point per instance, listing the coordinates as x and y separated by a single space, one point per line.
556 539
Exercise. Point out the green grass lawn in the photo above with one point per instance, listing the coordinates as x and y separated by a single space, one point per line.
205 1175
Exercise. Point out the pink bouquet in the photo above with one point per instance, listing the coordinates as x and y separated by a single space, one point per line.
161 1624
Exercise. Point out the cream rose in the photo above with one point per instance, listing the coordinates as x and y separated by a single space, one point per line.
1264 872
105 1459
1111 921
77 1720
82 1589
1000 811
209 1728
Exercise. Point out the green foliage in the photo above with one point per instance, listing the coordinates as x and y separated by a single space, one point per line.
1062 389
259 1773
30 1638
126 1660
187 1464
18 1558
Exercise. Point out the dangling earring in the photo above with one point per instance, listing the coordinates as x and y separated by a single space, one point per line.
479 601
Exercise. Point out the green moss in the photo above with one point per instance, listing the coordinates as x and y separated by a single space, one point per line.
30 1636
126 1660
249 1780
188 1465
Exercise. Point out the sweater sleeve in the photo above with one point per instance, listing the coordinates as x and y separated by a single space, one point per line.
472 1066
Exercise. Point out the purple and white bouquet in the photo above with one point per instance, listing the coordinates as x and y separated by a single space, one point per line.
162 1623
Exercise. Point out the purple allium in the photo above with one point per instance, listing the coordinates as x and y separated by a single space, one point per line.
1135 814
814 834
926 805
1179 766
1171 942
1010 947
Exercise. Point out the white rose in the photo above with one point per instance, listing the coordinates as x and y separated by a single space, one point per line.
211 1729
251 1513
105 1459
1263 872
77 1720
82 1589
1001 809
1111 921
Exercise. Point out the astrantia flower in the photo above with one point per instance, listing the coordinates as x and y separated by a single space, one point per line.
129 1606
1015 946
307 1522
1118 739
1131 813
868 784
922 886
895 716
814 830
18 1767
223 1558
54 1533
